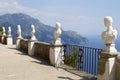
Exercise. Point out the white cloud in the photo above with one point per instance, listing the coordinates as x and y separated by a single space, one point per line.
7 0
13 6
9 7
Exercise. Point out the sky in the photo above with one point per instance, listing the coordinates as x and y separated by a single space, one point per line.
83 16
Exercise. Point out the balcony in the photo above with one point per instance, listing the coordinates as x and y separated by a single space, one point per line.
30 59
17 65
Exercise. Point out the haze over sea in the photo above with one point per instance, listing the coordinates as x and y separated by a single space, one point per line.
97 42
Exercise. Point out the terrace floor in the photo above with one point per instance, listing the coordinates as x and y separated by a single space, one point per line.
15 65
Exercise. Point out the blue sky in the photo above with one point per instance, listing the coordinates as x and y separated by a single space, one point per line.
83 16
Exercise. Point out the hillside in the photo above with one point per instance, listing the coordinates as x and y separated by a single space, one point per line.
43 32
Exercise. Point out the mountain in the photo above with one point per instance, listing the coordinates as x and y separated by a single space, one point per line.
43 32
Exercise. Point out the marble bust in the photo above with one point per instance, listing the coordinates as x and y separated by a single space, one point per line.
33 32
109 36
9 31
57 33
19 31
3 31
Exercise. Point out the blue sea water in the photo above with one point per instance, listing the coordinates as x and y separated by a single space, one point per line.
97 42
90 65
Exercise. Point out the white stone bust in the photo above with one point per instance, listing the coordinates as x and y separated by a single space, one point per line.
33 32
109 36
57 34
3 31
58 31
9 31
19 31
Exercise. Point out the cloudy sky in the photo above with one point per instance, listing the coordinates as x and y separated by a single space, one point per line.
83 16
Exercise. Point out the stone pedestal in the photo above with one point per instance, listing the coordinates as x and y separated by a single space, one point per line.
106 66
56 55
3 39
31 47
18 43
110 48
118 67
9 40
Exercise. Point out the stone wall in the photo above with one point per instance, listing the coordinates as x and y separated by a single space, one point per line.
24 45
0 38
41 49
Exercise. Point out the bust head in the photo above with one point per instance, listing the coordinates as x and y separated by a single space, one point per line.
108 21
9 28
58 25
32 26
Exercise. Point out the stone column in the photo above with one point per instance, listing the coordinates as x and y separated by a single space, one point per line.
56 55
9 39
3 35
31 42
19 37
56 49
106 66
118 67
106 63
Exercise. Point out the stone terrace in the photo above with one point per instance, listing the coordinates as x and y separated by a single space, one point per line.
15 65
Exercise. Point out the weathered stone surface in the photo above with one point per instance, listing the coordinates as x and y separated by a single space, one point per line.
106 66
42 50
101 68
9 40
118 67
56 55
109 36
24 45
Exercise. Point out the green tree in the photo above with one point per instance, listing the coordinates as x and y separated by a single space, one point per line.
72 58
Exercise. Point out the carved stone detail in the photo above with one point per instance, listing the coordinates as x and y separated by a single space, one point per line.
33 33
19 31
4 34
9 31
57 33
109 36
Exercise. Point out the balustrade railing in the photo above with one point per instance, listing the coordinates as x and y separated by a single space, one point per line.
41 49
24 45
82 58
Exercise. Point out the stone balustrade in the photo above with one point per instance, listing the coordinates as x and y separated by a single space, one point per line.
6 39
47 51
108 64
23 45
42 50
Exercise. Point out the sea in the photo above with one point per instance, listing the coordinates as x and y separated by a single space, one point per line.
97 42
90 60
